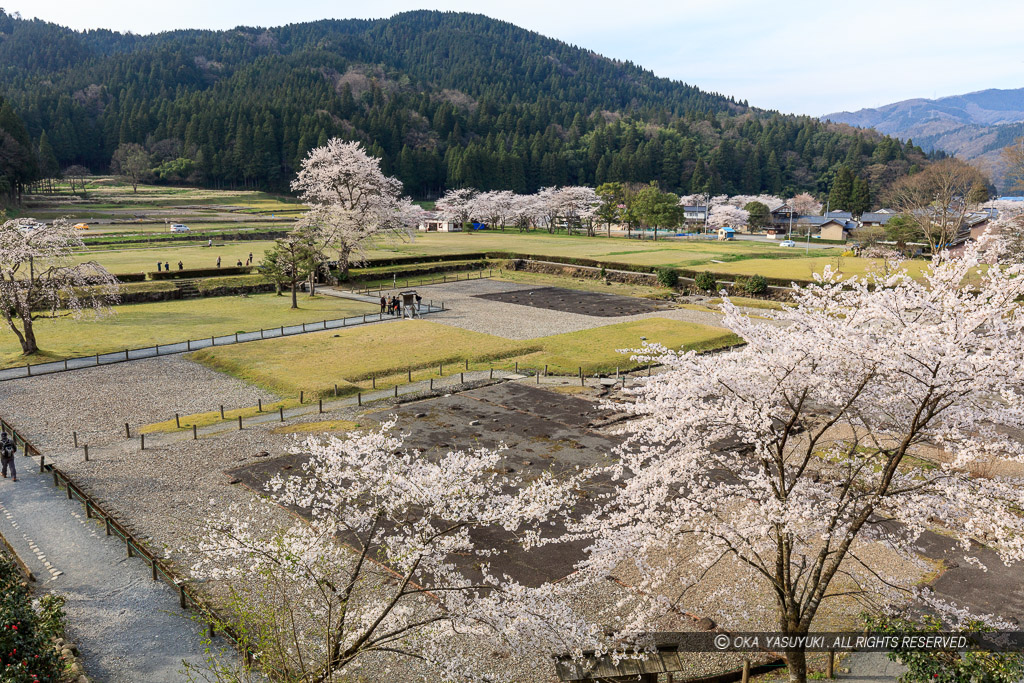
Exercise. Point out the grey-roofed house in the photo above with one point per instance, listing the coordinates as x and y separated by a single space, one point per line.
875 218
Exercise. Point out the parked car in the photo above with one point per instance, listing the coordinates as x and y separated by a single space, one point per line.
787 243
81 226
178 227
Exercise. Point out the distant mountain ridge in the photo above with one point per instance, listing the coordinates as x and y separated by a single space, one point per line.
444 99
974 126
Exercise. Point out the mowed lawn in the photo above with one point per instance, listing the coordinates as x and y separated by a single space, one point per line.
384 355
805 268
680 254
141 325
192 255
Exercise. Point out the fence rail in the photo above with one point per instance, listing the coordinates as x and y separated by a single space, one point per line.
411 282
109 358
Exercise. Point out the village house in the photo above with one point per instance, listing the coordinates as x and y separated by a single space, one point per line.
433 222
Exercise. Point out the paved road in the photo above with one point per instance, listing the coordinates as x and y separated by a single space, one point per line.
127 627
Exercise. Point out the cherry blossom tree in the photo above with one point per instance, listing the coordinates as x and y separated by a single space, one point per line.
38 278
805 205
858 419
351 200
388 562
524 210
457 206
493 208
727 215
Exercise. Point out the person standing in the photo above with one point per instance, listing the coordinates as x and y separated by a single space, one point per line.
7 451
167 266
383 304
218 261
159 266
181 266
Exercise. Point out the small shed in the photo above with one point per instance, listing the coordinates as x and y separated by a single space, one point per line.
409 307
837 230
726 233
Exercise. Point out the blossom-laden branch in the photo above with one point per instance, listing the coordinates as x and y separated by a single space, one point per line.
388 559
788 453
38 277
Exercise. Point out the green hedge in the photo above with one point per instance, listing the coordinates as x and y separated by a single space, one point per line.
26 639
130 277
201 272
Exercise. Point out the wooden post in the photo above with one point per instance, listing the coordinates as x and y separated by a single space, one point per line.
303 327
538 377
359 398
182 598
431 383
213 341
154 568
373 381
106 524
222 412
545 369
188 345
127 431
87 454
281 409
396 391
282 330
177 421
42 464
74 435
261 333
745 676
236 337
440 369
517 367
491 376
259 405
194 436
321 405
142 439
158 349
65 363
830 665
239 423
125 354
335 391
302 397
409 370
462 378
467 364
97 359
128 546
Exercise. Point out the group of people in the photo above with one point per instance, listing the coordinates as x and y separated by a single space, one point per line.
248 261
7 451
165 266
393 306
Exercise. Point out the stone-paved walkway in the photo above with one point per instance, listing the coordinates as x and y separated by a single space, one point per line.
127 627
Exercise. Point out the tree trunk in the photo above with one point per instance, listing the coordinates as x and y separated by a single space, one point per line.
28 339
295 300
796 664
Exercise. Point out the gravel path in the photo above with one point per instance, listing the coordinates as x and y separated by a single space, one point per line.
513 321
127 627
97 402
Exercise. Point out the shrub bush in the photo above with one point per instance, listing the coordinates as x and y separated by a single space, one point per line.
26 648
667 277
755 284
705 282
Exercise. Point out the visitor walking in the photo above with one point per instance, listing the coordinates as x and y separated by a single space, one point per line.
209 243
159 266
218 261
7 450
181 266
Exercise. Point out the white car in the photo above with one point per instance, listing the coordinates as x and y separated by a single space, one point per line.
787 243
178 227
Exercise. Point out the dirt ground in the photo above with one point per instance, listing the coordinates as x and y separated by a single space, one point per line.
576 301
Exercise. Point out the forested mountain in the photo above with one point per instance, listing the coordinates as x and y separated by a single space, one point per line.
975 126
445 99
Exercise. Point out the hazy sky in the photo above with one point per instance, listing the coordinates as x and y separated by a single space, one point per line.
801 56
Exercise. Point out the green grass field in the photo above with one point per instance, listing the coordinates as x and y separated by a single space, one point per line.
140 325
383 355
191 254
804 268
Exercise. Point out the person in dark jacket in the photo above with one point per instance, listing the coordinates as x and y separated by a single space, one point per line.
159 266
383 305
181 266
7 450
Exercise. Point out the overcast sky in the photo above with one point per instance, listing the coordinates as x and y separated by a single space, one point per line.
800 56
